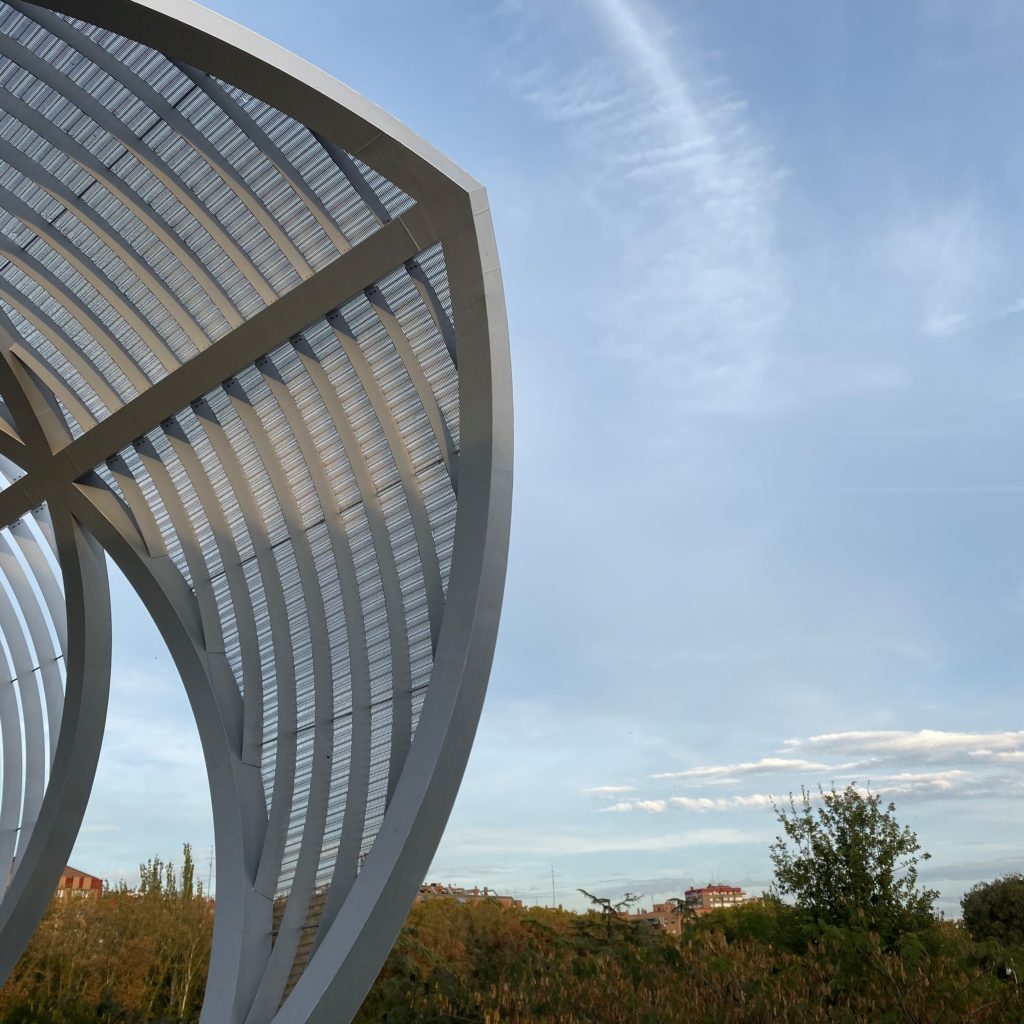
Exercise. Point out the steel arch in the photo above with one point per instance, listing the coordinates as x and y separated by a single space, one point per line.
252 348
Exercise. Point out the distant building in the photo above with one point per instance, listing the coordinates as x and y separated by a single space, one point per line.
664 916
714 897
435 891
77 883
672 916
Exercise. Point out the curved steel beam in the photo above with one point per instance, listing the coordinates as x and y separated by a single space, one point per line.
399 450
48 844
263 142
236 790
171 116
389 399
91 273
113 126
151 218
49 183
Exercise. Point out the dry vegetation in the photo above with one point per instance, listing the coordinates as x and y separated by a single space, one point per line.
141 957
491 965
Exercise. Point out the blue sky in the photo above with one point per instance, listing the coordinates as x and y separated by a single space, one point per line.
764 290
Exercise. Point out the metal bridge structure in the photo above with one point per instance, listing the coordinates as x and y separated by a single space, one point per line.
253 350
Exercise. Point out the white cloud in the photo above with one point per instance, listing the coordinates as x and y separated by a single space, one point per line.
675 171
949 782
920 745
754 800
999 756
765 764
620 808
943 778
654 806
889 763
608 790
690 803
506 841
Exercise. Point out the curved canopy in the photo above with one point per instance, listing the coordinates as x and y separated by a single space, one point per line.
253 348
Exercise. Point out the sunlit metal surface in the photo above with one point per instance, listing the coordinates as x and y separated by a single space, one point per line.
253 347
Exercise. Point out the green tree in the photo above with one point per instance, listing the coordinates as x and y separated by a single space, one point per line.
853 864
188 873
995 910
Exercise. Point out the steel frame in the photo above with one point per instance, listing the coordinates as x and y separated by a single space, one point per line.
127 374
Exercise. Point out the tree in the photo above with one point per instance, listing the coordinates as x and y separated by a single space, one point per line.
610 912
853 866
995 910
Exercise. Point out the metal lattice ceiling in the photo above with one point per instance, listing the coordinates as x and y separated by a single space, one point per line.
261 362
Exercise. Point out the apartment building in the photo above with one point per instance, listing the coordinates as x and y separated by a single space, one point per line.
78 883
436 891
714 897
666 916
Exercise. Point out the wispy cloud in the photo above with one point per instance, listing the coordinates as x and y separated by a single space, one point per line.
509 840
944 258
921 764
608 790
652 806
765 764
928 490
752 800
679 176
948 783
923 744
1005 756
688 803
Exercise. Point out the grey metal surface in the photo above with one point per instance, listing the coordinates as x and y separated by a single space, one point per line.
253 348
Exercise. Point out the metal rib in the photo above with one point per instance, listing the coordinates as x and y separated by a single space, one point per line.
143 520
152 219
263 142
284 663
45 656
218 672
62 342
47 582
279 965
191 550
390 583
346 865
241 599
76 408
45 72
35 271
235 788
428 400
177 121
85 214
434 306
88 269
13 778
32 718
356 179
403 462
44 849
359 665
11 444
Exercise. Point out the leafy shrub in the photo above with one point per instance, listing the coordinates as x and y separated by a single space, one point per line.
995 910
